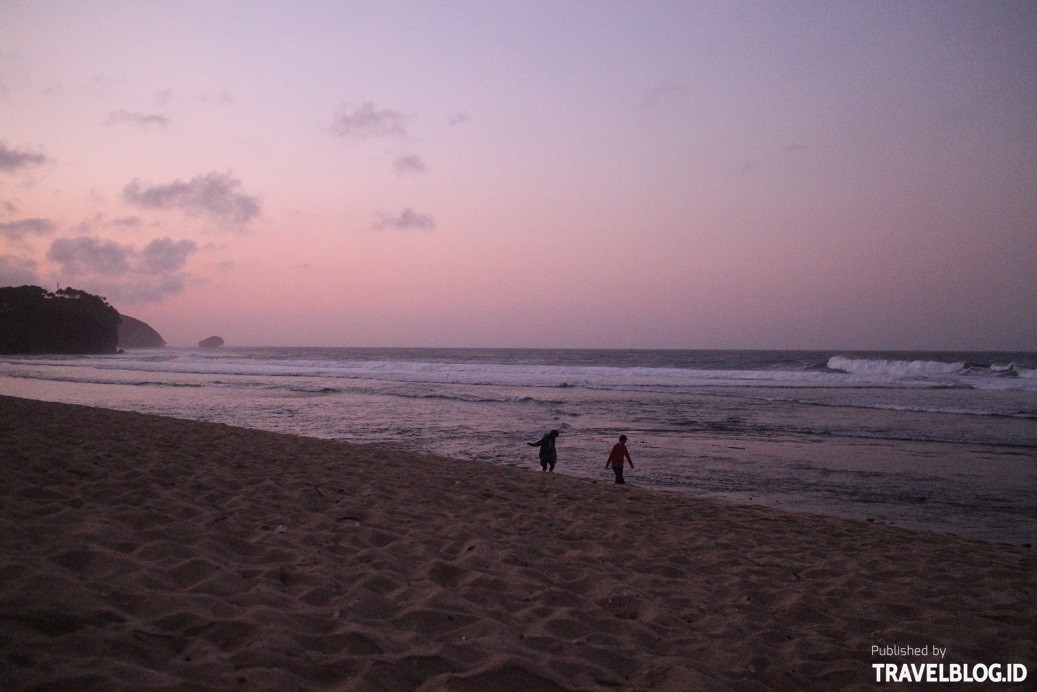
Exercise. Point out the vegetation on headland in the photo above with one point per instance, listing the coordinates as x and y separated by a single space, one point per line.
34 320
134 333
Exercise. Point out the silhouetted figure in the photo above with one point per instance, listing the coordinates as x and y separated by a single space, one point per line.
616 456
548 454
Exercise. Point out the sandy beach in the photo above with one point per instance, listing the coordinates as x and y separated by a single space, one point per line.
153 553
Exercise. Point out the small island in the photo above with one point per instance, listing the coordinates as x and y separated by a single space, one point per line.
211 342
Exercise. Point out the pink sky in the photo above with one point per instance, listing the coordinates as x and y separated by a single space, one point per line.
529 174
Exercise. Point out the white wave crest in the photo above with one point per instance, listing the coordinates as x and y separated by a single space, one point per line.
189 366
894 368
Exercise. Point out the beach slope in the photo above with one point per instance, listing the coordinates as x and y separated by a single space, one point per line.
147 552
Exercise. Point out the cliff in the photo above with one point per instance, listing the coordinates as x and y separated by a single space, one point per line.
134 333
33 320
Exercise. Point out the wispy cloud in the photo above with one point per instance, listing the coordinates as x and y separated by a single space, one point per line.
99 220
214 195
663 93
122 271
749 167
12 160
365 121
86 255
407 219
151 289
141 120
17 271
409 164
222 98
17 230
125 222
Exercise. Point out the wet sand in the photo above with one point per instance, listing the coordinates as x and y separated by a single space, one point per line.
146 552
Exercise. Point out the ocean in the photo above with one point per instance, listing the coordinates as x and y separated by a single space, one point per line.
935 441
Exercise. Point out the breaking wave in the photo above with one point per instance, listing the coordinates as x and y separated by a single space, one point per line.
921 369
329 375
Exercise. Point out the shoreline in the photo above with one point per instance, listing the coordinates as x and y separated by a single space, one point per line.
914 484
148 551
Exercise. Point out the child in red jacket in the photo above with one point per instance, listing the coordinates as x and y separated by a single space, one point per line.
616 456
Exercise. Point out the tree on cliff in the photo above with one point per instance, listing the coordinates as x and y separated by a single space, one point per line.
33 320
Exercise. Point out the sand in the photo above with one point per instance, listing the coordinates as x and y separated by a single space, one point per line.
152 553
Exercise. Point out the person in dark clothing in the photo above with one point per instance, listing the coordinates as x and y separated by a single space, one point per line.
548 455
616 456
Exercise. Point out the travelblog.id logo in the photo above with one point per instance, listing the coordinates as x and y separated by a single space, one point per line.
940 672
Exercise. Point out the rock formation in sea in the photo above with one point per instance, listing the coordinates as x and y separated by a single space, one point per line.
134 333
34 320
211 342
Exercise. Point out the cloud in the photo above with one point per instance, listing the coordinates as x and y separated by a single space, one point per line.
214 195
148 289
407 219
13 159
409 164
125 222
457 119
17 271
366 121
223 98
141 120
123 272
87 226
749 167
17 230
663 93
85 255
166 255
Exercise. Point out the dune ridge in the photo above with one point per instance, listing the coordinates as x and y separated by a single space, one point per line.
153 553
